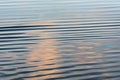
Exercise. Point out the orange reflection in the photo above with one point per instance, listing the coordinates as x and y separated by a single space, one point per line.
87 52
44 56
41 23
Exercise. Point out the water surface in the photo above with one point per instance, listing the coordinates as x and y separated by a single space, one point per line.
59 40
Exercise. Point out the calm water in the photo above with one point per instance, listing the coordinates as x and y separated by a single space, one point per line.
59 40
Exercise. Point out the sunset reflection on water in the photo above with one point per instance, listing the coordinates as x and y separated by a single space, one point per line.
59 40
44 56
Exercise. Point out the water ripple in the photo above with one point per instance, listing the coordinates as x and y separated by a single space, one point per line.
59 40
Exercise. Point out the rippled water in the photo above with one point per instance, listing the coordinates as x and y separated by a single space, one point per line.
59 40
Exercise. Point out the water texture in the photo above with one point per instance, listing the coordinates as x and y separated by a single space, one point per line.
59 40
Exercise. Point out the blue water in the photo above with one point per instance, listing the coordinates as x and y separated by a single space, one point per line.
59 40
